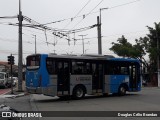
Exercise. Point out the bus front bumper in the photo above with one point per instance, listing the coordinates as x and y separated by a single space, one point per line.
37 90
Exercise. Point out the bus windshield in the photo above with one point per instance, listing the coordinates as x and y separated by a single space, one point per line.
33 62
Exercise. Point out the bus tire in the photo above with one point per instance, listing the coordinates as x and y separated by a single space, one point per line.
122 90
78 92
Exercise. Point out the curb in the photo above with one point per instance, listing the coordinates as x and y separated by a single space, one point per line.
14 96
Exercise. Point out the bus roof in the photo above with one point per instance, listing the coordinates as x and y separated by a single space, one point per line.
88 56
125 59
84 56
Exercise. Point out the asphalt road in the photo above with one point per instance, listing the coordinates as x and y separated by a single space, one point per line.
146 100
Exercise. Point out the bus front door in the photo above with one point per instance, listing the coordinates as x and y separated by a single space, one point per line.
133 77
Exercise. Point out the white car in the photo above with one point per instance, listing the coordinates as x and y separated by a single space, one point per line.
15 80
3 79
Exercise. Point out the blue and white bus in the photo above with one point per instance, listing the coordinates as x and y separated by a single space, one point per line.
71 75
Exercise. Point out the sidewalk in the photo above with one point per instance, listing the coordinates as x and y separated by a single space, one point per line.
18 100
19 104
15 91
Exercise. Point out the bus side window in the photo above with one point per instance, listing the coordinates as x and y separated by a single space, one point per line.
116 70
107 70
50 64
79 70
88 68
94 69
124 70
59 67
66 68
81 67
73 67
77 67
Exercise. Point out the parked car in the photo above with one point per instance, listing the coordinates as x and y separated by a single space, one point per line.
144 83
3 79
9 81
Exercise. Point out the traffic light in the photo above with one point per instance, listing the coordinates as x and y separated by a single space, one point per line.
11 60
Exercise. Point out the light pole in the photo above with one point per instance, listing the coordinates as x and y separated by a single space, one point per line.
99 32
100 12
83 41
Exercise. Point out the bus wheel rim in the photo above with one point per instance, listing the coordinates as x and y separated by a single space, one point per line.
122 89
79 93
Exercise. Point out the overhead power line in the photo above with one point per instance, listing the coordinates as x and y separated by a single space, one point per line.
42 27
91 12
124 4
62 32
84 16
35 24
9 17
78 13
82 8
56 32
56 21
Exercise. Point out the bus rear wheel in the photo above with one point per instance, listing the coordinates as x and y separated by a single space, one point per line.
78 92
122 90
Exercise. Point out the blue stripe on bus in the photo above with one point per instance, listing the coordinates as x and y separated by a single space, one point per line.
115 81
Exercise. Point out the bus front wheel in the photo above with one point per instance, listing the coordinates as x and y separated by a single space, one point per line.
122 90
78 92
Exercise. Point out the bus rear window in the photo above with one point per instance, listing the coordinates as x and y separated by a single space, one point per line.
33 62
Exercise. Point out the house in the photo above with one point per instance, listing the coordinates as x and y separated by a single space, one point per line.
5 67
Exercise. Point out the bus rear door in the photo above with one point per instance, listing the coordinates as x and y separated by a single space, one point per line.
63 77
97 77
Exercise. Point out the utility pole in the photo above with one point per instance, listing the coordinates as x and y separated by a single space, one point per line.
83 41
158 67
99 23
20 54
99 36
35 44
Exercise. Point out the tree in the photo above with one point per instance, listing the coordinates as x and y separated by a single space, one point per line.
153 45
140 50
122 48
125 49
149 44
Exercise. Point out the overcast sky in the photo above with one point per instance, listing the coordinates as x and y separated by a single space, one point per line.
123 17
